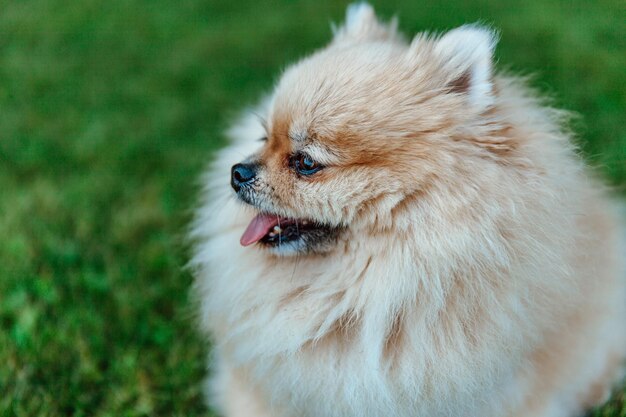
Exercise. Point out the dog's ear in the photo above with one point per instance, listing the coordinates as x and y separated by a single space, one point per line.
466 55
362 25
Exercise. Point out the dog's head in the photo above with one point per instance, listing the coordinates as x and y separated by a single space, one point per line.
360 126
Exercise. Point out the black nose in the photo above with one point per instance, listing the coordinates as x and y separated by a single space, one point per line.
242 174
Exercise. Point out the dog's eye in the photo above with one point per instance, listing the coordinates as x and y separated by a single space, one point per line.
304 164
263 139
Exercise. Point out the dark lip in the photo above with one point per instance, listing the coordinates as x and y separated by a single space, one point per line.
312 236
291 231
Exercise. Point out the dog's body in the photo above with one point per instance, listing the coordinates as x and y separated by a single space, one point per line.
461 262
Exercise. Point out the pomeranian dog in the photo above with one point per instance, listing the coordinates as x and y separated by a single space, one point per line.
403 233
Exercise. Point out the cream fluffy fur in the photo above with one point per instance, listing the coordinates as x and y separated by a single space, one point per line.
480 271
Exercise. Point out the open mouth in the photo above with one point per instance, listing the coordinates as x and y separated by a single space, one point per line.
273 230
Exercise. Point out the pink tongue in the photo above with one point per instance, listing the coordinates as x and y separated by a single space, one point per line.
258 227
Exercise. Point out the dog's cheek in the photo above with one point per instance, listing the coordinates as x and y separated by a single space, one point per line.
369 193
331 201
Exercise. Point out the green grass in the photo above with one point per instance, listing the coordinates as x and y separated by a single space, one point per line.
108 112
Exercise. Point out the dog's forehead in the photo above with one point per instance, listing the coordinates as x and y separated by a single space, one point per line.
335 88
329 75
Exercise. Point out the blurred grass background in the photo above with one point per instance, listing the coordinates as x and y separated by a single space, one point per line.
108 112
